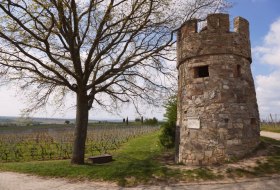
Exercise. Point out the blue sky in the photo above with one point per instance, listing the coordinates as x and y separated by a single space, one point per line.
264 18
260 14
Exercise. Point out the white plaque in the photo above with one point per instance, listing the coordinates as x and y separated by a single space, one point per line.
193 123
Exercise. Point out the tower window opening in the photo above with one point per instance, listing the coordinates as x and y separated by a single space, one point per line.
201 71
253 121
226 120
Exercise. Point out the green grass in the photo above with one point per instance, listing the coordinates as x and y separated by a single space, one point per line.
268 140
272 165
270 127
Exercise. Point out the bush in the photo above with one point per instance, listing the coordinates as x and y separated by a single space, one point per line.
152 121
137 119
167 136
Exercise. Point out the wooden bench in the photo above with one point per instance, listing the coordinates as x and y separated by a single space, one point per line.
101 159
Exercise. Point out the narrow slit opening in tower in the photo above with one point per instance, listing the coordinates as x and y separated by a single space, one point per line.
201 71
238 71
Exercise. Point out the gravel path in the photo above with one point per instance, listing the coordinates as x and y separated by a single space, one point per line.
270 135
16 181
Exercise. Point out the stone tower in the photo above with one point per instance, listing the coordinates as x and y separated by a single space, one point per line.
218 116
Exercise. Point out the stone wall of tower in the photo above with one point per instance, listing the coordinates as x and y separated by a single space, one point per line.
218 114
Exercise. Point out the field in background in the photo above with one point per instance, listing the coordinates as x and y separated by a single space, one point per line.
54 141
271 123
28 121
270 127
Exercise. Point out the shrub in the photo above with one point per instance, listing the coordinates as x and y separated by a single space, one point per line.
152 121
167 136
137 119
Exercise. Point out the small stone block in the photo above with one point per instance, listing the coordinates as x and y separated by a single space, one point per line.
208 153
101 159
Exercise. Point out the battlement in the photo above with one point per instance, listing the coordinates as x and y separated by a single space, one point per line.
216 23
241 25
214 39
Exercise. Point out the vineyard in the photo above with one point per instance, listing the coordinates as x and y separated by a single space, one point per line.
57 144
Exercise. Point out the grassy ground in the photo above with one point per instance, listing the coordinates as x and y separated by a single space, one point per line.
136 162
266 165
271 128
139 161
133 164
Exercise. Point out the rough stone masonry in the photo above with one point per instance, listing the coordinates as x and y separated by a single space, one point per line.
218 117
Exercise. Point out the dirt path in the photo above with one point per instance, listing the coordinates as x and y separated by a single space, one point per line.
270 135
16 181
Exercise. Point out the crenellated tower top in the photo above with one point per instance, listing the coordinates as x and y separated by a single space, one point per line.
214 39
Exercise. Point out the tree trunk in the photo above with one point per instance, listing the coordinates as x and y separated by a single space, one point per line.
80 129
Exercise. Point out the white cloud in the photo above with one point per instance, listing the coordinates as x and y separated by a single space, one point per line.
9 104
269 52
268 93
268 86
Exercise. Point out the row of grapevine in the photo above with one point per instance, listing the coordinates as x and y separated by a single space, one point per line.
54 145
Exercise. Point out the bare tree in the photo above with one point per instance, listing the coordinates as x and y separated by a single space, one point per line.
97 49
